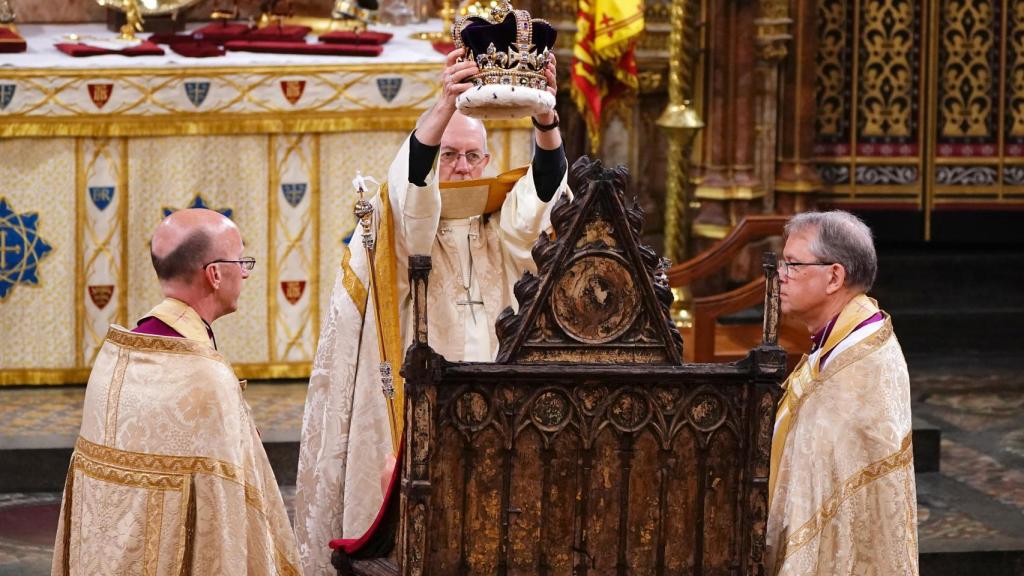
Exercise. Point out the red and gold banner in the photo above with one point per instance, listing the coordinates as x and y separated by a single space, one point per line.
604 66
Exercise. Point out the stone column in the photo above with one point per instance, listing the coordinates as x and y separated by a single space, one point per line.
726 180
795 178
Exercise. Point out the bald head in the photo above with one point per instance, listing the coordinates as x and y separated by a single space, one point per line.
463 128
186 240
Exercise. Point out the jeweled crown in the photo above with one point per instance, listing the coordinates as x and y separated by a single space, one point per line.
509 47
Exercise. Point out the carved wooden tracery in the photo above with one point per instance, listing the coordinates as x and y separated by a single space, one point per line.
588 448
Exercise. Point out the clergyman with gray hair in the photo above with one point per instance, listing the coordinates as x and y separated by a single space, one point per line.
841 492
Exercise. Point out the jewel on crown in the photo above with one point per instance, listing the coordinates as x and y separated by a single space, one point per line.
521 64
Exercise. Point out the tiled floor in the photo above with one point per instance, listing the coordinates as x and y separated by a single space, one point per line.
975 502
39 417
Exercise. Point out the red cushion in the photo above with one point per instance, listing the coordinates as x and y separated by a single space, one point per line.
277 33
11 41
80 50
197 49
364 37
295 48
221 32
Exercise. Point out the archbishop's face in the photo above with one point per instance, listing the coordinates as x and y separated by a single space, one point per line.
463 154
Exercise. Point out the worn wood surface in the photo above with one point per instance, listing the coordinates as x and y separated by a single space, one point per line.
588 448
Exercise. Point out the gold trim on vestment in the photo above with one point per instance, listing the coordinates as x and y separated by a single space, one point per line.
159 463
183 319
134 478
114 395
353 285
167 344
844 359
830 507
390 329
67 513
154 524
805 379
163 472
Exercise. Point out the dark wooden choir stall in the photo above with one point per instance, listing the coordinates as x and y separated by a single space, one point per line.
588 446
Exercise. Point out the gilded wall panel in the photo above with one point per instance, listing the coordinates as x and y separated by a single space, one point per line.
219 172
887 70
968 78
1015 78
102 221
341 155
38 319
832 72
293 247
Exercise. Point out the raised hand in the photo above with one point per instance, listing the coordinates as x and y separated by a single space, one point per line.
454 81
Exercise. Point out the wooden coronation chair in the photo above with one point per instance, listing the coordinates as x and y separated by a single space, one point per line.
588 446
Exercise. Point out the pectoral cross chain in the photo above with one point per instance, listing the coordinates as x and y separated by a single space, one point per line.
470 302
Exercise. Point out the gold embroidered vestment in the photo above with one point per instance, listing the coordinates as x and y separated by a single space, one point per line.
169 475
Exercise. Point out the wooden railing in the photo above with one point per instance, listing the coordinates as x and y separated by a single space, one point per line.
712 342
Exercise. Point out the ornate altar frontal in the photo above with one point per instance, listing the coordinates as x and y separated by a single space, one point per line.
96 151
588 446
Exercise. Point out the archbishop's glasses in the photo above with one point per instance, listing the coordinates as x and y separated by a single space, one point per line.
247 263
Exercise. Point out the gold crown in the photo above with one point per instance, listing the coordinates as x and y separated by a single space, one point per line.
521 64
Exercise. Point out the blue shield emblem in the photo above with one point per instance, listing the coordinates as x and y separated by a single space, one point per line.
294 193
196 92
199 202
21 248
7 94
101 196
389 87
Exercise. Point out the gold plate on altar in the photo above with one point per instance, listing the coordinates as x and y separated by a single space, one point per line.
151 7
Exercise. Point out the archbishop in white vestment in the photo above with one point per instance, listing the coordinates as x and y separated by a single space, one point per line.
476 260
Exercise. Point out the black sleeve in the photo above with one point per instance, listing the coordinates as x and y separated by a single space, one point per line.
421 160
548 168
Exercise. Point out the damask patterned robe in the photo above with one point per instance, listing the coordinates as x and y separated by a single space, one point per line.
842 492
346 436
169 475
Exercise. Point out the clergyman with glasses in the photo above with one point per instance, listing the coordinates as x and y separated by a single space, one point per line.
842 497
441 205
168 469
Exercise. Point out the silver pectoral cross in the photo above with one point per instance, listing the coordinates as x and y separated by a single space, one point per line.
470 302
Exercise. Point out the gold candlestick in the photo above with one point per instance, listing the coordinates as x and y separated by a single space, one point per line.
447 14
7 16
133 24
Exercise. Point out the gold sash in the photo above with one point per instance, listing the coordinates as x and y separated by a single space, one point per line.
856 311
182 319
390 328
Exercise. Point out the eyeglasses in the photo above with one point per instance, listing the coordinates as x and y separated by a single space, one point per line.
787 269
247 263
473 157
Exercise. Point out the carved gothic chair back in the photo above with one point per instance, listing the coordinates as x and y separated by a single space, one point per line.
588 447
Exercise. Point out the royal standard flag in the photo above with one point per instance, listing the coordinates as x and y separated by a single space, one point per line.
604 66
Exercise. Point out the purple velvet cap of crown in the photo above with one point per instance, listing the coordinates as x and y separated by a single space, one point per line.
478 34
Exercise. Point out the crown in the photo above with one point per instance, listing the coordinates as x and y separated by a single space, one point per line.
512 50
